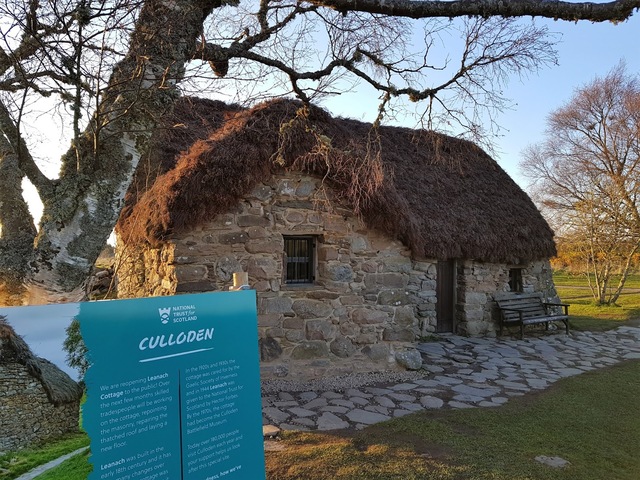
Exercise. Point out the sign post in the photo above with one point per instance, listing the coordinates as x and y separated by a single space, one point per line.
173 391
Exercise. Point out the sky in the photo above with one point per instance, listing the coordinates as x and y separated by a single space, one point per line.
585 50
43 327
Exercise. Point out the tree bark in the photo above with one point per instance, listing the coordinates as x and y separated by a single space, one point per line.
616 11
82 205
17 230
80 212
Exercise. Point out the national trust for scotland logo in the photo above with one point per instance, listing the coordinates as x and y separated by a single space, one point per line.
165 314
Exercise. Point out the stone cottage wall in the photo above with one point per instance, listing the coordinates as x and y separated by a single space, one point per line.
26 416
369 302
370 299
478 282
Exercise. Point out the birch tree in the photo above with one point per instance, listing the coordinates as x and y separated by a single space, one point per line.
115 67
587 176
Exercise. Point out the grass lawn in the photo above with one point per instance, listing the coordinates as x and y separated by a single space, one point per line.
586 315
14 464
590 420
580 279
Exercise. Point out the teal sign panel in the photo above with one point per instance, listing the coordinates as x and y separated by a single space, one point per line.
173 390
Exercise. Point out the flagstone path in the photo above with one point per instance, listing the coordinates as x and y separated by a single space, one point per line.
457 372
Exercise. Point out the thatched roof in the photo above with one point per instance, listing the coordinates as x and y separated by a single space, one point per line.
59 386
442 197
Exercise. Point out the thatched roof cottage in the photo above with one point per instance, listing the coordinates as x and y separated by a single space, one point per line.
38 401
359 240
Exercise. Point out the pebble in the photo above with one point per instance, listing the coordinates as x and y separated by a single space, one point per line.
457 372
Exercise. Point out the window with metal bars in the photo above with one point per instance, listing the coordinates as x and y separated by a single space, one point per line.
299 259
515 279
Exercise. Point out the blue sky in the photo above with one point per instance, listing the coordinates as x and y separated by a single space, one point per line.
43 327
585 50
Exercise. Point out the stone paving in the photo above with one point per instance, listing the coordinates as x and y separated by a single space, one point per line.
457 372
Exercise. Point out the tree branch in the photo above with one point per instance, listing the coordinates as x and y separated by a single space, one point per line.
616 11
12 143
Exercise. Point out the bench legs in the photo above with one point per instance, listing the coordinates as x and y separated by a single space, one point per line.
546 327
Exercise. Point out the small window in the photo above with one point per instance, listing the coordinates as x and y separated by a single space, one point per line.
299 259
515 279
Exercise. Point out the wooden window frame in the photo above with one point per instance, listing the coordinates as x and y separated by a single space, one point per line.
299 269
515 279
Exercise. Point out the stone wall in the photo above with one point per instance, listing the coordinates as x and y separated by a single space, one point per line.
478 282
26 415
370 300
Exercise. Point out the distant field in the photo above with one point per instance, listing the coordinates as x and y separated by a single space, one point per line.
580 280
586 315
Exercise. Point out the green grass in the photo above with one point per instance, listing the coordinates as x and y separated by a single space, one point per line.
14 464
585 314
76 468
589 420
580 279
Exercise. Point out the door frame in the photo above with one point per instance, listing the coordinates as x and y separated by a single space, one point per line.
450 274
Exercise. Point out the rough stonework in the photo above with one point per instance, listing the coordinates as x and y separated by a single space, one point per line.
386 210
370 300
38 402
478 282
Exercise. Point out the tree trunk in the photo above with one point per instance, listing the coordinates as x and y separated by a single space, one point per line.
16 235
624 275
84 204
17 230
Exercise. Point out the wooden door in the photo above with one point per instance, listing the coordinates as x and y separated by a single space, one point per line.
445 291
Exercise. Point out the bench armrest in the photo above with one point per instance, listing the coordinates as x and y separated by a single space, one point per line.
565 306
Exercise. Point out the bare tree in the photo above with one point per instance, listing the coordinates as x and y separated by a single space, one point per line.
587 175
116 66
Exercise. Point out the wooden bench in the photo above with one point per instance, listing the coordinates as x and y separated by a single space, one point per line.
529 309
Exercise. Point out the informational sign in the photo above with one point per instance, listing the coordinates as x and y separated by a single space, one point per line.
173 391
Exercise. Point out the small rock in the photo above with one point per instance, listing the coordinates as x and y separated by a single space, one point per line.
365 417
461 358
431 402
409 359
555 462
269 431
329 421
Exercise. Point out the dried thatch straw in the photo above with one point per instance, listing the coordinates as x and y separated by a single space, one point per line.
441 196
59 386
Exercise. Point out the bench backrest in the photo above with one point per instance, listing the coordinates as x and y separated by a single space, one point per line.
529 303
